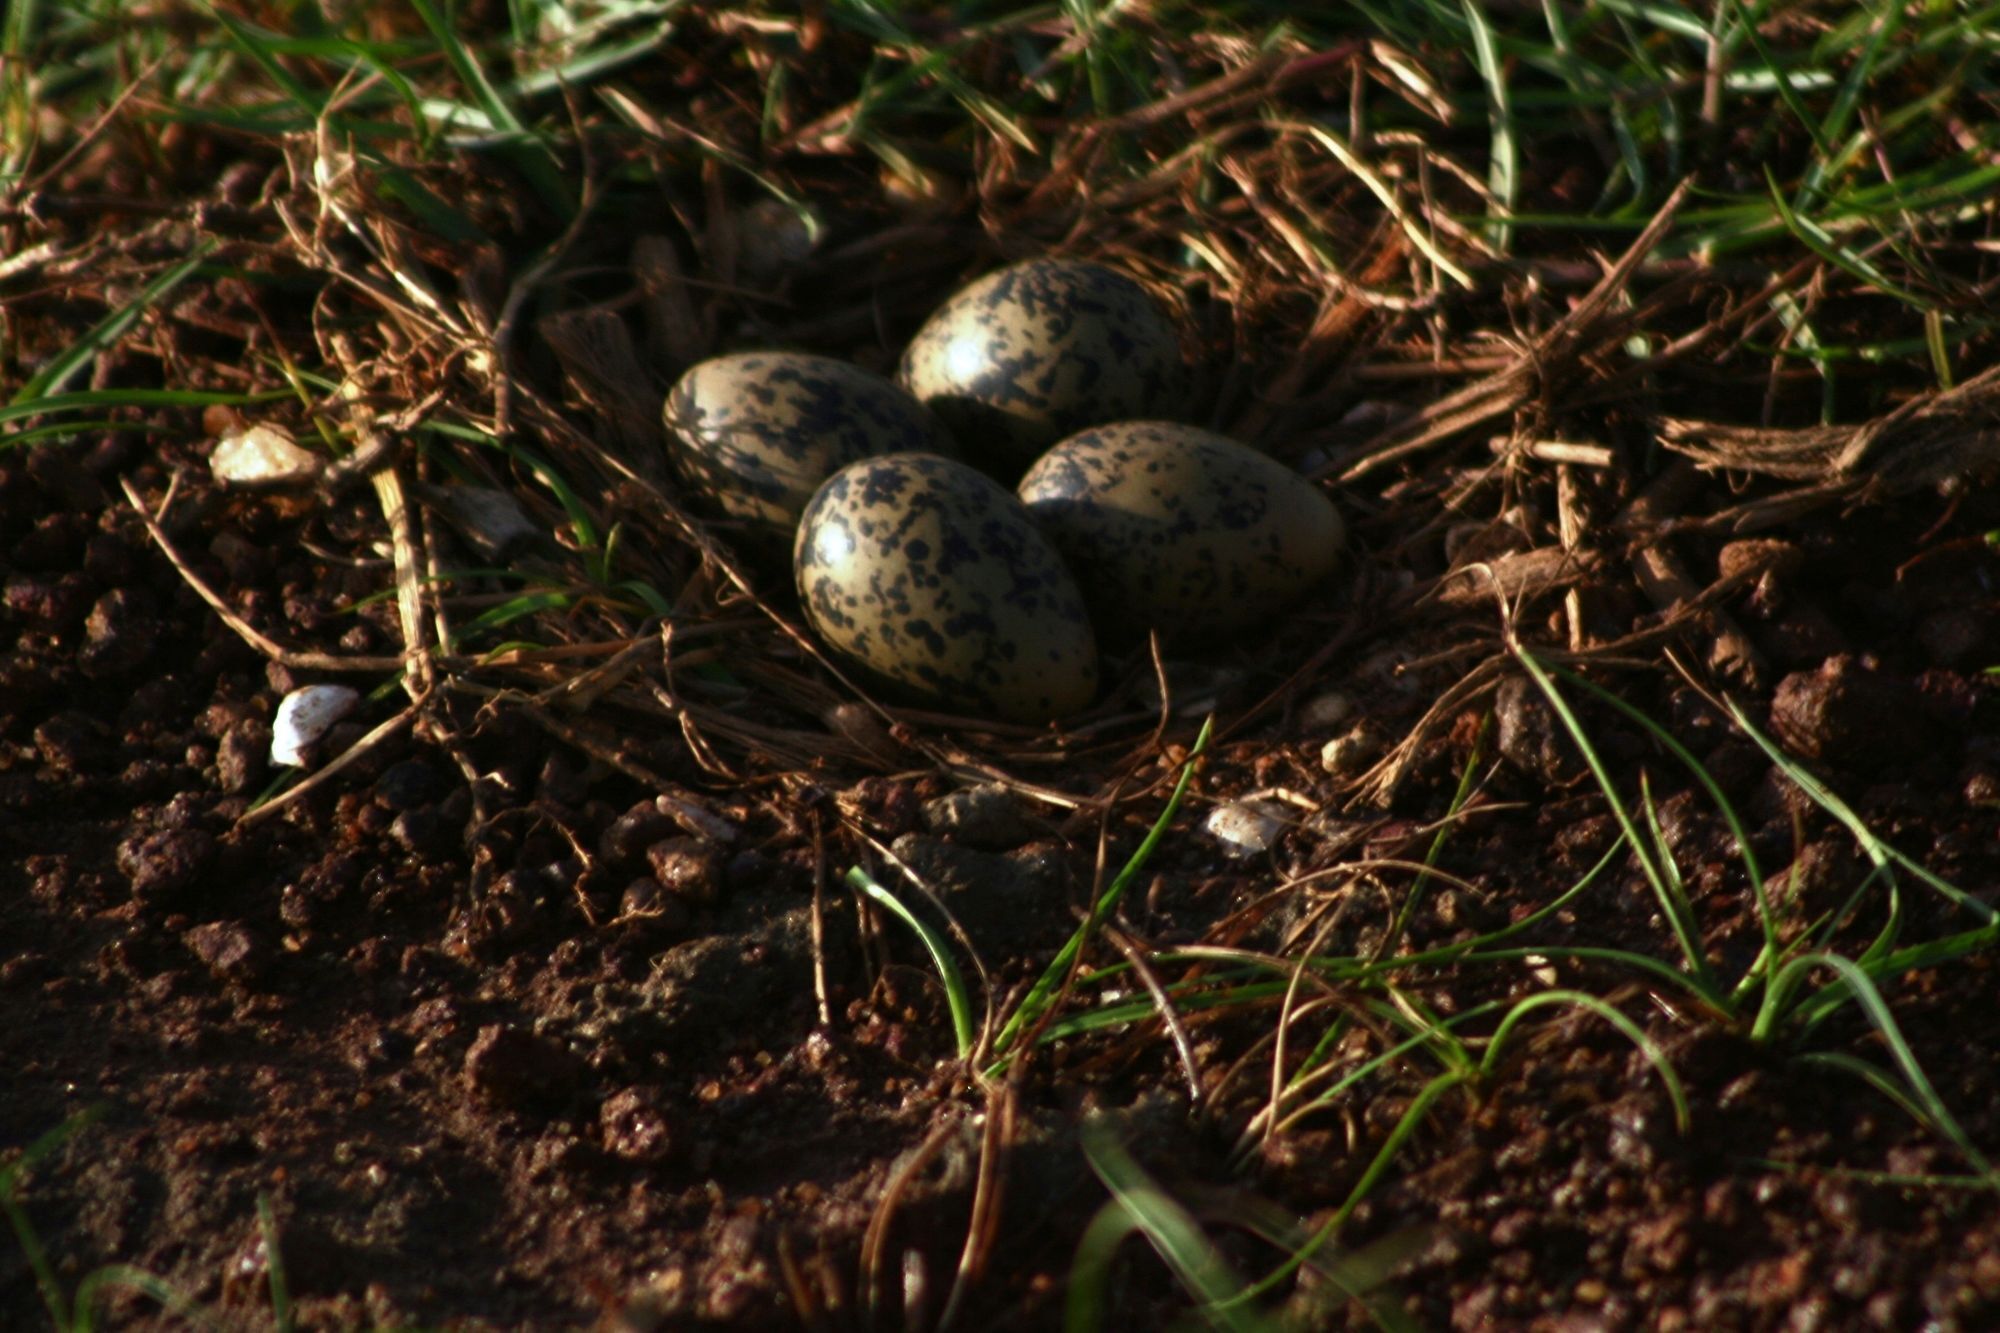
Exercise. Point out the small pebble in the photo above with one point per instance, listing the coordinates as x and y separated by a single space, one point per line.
777 236
1531 737
1350 752
69 741
163 863
688 868
304 716
424 832
241 757
491 521
1759 554
695 819
1002 900
989 816
629 835
259 456
1246 828
1849 713
226 949
120 636
1195 689
47 603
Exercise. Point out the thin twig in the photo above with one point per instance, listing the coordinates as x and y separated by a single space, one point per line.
261 642
326 773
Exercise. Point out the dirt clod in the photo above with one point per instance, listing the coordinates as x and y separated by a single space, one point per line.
990 817
1530 737
1849 713
690 869
226 949
120 634
625 842
407 785
635 1128
515 1068
1003 901
163 863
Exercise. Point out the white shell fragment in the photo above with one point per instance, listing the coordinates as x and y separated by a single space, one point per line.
1246 828
304 716
262 456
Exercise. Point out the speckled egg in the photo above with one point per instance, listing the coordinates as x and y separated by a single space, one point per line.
932 577
1180 528
755 433
1040 350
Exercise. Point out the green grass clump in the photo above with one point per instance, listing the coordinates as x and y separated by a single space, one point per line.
1782 999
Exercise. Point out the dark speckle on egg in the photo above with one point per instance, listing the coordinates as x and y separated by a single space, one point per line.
1034 352
1178 528
931 576
755 433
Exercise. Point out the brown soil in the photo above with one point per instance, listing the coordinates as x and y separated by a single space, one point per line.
518 1106
507 1042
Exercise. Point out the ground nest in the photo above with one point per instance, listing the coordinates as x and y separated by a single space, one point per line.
1612 914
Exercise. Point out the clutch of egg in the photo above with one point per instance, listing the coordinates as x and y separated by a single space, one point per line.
940 583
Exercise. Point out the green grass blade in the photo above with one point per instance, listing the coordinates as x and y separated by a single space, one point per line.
17 1216
1822 243
274 1265
1673 910
1877 851
1668 18
955 992
1631 1031
1888 22
582 526
1661 971
1864 992
1090 1269
1663 852
113 1277
92 399
19 439
262 48
1875 1077
1740 835
1467 781
509 611
1407 1012
1389 1055
1378 1166
527 150
1898 1180
1143 1207
1503 163
1781 80
107 331
18 111
1038 998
